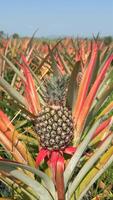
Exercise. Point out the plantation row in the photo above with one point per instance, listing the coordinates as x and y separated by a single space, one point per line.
56 124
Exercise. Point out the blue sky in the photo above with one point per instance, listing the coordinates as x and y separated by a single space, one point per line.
57 17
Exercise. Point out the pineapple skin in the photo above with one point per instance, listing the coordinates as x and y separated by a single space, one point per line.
54 127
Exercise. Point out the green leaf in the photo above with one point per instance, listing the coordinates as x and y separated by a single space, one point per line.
28 139
105 161
77 155
99 103
14 105
9 165
29 46
40 191
106 55
20 124
18 72
18 189
88 165
55 69
12 92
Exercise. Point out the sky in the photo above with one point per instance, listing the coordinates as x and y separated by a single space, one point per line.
57 17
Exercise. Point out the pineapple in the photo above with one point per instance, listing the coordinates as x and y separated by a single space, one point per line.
54 124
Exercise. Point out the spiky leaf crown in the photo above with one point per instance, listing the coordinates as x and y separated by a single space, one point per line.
56 88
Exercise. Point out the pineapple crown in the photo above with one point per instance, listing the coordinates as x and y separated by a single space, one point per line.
56 88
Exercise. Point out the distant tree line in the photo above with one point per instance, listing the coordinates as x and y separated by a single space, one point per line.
107 39
4 35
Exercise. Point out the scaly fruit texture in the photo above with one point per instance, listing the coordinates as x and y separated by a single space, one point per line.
54 127
54 124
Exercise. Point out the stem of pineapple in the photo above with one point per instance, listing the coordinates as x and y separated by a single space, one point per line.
60 182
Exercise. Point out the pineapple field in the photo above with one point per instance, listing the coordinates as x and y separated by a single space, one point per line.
56 119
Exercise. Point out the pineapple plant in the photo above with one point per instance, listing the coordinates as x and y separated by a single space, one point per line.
54 124
67 120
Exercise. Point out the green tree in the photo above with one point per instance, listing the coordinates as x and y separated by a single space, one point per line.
15 35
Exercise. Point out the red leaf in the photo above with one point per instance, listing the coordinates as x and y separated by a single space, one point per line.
4 120
30 83
60 64
30 90
70 150
41 155
91 95
60 178
105 138
52 162
60 164
3 127
85 83
101 127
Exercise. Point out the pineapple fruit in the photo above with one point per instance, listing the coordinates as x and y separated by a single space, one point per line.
54 124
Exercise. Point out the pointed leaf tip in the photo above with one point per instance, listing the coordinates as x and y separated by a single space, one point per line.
41 155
